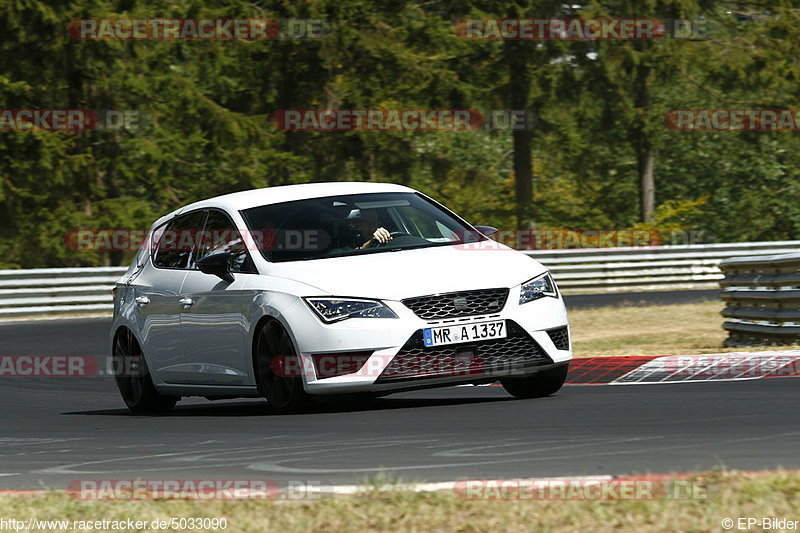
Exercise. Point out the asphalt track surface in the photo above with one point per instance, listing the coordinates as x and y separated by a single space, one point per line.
58 430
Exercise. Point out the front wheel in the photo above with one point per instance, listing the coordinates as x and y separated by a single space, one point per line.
133 377
538 385
275 362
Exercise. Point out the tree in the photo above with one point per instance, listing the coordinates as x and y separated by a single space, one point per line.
627 72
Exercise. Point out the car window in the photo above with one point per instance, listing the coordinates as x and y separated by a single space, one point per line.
420 223
337 226
177 242
220 235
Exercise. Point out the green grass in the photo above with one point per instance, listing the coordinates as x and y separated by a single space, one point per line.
731 494
653 330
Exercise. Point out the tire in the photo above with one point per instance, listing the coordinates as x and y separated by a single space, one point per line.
538 385
133 377
285 394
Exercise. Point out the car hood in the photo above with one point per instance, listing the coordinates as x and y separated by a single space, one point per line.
407 273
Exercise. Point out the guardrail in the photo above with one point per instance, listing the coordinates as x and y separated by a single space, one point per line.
693 266
58 291
762 294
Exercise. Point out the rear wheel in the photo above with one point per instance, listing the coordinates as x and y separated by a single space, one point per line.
133 377
278 370
538 385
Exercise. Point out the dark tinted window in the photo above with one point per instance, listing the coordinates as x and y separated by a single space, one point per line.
220 235
337 226
177 242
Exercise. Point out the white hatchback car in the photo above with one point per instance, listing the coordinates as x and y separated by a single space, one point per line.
330 288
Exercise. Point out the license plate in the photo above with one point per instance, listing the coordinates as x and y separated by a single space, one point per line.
464 333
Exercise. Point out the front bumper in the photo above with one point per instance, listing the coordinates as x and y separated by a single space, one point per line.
537 339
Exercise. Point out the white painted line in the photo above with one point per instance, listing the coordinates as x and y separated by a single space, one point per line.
439 486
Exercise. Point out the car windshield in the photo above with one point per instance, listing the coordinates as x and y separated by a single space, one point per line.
338 226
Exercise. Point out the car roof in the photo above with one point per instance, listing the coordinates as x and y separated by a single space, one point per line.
286 193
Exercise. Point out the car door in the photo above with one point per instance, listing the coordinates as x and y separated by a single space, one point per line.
157 291
213 324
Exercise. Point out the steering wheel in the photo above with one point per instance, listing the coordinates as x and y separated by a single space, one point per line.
394 234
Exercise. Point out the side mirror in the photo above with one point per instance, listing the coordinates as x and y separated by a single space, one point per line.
218 265
487 230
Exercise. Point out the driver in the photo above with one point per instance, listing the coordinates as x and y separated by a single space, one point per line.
367 224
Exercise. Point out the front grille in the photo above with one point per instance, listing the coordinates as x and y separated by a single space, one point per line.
455 304
560 337
415 361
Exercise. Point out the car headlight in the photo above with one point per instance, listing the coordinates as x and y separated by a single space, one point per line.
336 309
538 287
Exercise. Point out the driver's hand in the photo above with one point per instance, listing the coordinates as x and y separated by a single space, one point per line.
381 235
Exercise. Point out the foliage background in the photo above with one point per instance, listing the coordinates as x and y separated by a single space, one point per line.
209 103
